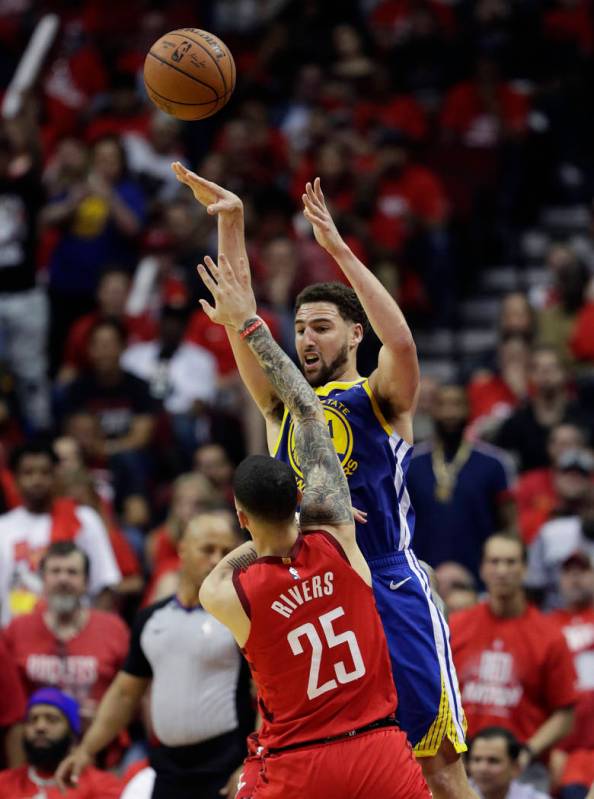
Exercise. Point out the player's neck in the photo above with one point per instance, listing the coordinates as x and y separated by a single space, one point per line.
508 607
276 540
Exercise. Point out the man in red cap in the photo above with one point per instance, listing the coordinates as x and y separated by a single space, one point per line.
52 725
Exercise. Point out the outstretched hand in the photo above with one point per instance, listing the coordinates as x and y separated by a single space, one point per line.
213 197
317 213
231 290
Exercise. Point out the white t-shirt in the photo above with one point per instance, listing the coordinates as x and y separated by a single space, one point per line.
190 375
555 542
25 536
519 790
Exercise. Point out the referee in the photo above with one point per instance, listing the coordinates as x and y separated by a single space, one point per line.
200 689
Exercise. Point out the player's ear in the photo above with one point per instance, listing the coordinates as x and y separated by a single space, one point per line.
356 334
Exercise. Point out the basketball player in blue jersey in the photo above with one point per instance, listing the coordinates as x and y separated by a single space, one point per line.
370 420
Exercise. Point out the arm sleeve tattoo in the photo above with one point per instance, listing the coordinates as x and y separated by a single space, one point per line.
241 560
326 497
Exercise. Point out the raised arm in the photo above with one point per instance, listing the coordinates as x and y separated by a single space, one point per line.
229 210
326 500
396 379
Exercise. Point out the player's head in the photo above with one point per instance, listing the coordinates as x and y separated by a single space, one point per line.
52 725
450 410
503 565
205 540
65 572
33 465
329 326
493 761
265 492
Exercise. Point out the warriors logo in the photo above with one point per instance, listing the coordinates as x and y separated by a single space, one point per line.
340 433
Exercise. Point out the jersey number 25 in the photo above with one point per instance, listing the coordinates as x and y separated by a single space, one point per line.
332 639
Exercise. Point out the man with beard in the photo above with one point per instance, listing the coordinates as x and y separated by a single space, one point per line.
461 490
67 644
52 726
370 422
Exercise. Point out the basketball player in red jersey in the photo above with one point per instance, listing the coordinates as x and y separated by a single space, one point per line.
300 603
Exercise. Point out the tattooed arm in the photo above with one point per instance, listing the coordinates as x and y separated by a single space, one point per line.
326 500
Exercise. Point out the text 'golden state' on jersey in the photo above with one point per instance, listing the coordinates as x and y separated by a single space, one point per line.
374 458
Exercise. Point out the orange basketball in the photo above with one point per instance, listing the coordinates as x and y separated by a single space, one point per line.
189 73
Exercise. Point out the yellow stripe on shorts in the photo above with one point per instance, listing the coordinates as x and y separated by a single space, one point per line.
443 727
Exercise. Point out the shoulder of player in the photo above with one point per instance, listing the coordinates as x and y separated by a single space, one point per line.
219 595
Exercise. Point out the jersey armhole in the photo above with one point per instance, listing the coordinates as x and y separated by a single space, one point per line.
280 433
332 540
240 590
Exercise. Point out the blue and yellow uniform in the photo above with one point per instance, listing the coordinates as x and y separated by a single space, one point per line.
375 460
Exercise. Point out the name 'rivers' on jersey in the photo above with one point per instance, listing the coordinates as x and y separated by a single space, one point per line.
374 459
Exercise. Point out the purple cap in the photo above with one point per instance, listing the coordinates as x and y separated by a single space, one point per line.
65 704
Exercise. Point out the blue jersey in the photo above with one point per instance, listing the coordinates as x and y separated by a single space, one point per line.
374 459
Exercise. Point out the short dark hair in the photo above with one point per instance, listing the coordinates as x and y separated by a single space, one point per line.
266 487
62 549
507 535
344 297
512 745
35 447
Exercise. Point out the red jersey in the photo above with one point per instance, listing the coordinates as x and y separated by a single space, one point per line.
578 629
17 783
84 666
513 672
316 647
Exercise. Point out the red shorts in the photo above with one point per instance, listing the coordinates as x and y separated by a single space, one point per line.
379 763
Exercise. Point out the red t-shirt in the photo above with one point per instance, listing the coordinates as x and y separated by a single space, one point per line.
12 697
535 497
513 672
416 193
578 629
93 784
490 394
84 666
315 629
581 341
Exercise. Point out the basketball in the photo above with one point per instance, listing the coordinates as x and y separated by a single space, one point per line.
189 73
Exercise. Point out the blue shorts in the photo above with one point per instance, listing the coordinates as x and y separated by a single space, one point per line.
429 706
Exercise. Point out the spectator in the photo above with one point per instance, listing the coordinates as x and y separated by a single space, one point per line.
196 669
494 765
67 644
99 222
461 491
192 494
214 523
181 375
150 156
212 461
516 317
112 293
123 406
576 622
27 531
12 710
556 322
536 490
526 431
456 586
23 305
558 538
493 396
52 726
514 668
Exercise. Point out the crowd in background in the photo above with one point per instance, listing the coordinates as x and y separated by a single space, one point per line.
440 130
